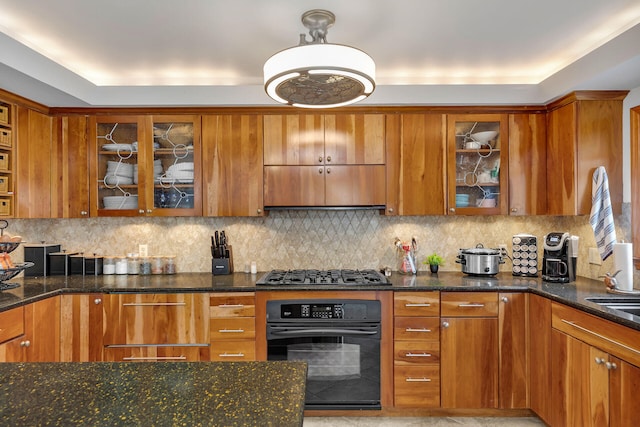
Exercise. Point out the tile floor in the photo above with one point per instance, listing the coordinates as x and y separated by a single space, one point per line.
421 422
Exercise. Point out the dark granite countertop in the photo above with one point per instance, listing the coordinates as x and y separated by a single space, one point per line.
573 294
153 394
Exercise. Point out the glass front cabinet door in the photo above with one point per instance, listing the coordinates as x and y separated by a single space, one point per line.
145 165
477 164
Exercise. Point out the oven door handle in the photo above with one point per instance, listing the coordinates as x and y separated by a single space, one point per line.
306 331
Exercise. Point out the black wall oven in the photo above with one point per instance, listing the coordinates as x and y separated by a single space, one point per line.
339 340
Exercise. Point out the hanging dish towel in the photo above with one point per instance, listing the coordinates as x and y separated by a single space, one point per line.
601 218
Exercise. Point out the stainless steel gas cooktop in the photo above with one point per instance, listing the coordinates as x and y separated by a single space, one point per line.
323 277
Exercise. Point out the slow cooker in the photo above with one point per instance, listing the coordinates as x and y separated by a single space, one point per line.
480 261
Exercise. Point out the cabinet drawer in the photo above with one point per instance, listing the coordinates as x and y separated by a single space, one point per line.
615 339
180 318
236 328
232 305
156 353
222 351
469 304
417 386
416 304
416 353
11 324
416 328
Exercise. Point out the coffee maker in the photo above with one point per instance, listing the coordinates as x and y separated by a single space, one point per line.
560 257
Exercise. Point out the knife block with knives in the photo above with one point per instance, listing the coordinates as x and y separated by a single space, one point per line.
221 254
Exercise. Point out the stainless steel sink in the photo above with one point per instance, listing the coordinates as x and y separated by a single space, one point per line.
627 305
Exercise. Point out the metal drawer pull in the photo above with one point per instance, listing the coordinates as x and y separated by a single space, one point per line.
418 304
224 331
231 355
417 330
600 336
151 304
470 305
418 380
418 355
231 305
156 358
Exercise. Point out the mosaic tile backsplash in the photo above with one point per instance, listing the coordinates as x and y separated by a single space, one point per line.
308 239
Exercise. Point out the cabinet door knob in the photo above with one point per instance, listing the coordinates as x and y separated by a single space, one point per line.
141 211
599 360
514 210
445 324
504 300
611 366
320 171
83 213
97 301
328 170
259 211
320 159
452 209
390 210
328 158
25 343
149 210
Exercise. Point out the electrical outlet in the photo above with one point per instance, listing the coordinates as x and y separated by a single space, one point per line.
143 250
503 248
594 256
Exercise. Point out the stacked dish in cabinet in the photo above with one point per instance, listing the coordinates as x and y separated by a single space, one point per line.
181 172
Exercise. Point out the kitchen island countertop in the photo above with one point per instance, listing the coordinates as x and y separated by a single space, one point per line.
153 394
574 294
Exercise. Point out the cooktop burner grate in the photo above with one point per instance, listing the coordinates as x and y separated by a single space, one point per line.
323 277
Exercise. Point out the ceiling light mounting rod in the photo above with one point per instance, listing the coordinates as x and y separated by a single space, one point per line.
318 74
318 22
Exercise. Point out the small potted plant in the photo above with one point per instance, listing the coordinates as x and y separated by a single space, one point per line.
434 260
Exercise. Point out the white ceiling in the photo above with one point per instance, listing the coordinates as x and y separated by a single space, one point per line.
211 52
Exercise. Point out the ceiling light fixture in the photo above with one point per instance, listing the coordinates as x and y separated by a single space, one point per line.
318 74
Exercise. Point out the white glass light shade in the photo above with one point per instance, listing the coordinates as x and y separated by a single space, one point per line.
319 75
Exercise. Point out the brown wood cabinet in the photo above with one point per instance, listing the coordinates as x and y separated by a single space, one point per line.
33 179
416 350
469 362
635 183
540 358
415 164
70 168
232 326
232 151
477 167
513 325
584 131
133 323
527 164
81 328
34 337
324 160
593 370
145 165
12 335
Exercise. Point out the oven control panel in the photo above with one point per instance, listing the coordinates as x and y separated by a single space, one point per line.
330 309
312 311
